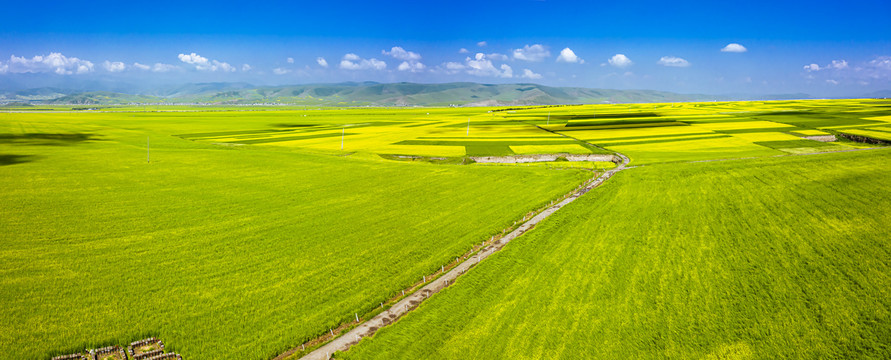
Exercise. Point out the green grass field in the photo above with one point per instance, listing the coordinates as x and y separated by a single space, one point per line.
223 252
748 259
253 230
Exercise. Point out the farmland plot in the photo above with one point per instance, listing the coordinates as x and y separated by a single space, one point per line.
764 258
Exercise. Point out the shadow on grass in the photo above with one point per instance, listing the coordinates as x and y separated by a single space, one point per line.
10 159
46 139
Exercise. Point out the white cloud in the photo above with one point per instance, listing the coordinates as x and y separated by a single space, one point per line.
734 48
450 68
3 68
839 64
569 56
479 65
497 57
354 62
529 74
832 82
463 51
410 58
812 67
878 68
159 67
193 58
401 54
673 61
506 71
482 43
620 60
280 71
246 68
322 62
411 66
349 65
881 62
290 60
141 66
204 64
536 52
54 62
835 64
116 66
221 66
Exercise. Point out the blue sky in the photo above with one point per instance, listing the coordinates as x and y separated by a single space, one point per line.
815 47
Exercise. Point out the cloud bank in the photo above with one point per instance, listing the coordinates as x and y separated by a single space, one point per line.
52 63
354 62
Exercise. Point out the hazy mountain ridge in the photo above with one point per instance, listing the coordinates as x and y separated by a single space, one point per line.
369 94
373 94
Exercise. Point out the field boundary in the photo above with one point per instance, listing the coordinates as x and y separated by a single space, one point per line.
408 303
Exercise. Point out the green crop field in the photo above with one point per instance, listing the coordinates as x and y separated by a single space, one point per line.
748 259
657 133
223 252
255 229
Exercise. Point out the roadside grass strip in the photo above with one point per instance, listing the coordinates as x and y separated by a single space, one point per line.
774 258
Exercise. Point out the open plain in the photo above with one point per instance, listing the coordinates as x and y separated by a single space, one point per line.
733 230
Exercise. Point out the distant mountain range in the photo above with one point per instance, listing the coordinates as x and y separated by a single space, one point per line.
367 94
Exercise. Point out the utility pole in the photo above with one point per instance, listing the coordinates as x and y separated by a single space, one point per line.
342 132
148 150
468 126
549 118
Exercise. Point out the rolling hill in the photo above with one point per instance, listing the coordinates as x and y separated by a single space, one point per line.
378 94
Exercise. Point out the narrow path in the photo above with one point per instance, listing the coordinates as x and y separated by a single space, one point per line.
369 327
